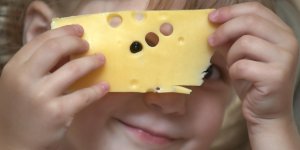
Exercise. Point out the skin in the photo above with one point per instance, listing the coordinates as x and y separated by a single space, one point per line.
34 103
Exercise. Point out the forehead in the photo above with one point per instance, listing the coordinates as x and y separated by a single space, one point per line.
95 6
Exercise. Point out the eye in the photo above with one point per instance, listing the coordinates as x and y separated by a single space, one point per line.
212 73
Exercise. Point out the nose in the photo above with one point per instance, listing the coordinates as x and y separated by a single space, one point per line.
166 103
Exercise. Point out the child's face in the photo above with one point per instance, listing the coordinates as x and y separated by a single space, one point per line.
151 121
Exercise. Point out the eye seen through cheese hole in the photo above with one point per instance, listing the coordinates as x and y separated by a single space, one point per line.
152 39
114 20
166 29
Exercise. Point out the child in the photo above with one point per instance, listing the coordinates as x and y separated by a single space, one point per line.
256 56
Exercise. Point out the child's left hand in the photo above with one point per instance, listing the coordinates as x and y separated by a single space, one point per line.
262 64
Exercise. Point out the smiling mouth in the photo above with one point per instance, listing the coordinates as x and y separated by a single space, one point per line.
147 136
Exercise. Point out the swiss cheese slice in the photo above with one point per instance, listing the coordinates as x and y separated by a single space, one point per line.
178 60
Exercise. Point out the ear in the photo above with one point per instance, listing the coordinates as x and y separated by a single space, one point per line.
37 20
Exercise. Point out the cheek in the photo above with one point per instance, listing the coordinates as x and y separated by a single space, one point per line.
96 116
207 111
106 106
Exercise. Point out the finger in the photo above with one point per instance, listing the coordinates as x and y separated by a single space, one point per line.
247 25
54 50
30 48
76 101
261 51
65 76
252 71
224 14
258 81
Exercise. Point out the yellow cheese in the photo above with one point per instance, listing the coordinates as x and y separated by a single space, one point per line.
173 55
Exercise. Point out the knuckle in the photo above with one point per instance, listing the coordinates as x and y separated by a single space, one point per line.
220 32
256 6
241 66
54 45
238 68
56 111
79 43
53 33
41 95
251 20
44 36
22 80
73 68
89 95
245 41
86 97
225 12
92 62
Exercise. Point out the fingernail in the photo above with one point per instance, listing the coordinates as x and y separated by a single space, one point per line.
214 15
104 86
100 57
78 29
86 44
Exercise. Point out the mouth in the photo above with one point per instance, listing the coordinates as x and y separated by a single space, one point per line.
147 135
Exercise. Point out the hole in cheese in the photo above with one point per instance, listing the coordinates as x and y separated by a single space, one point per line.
152 39
134 83
166 29
114 20
157 88
181 40
136 47
139 16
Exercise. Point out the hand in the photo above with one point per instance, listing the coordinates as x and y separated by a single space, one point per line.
261 61
34 109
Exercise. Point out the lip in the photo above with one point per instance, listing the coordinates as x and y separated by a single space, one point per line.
147 135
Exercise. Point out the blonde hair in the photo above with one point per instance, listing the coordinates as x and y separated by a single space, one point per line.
11 17
11 24
201 4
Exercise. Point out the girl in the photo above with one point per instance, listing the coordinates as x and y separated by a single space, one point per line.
256 56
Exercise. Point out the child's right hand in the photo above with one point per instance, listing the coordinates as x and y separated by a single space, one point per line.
261 56
34 109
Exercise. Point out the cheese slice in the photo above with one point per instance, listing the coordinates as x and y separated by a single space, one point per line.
159 63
